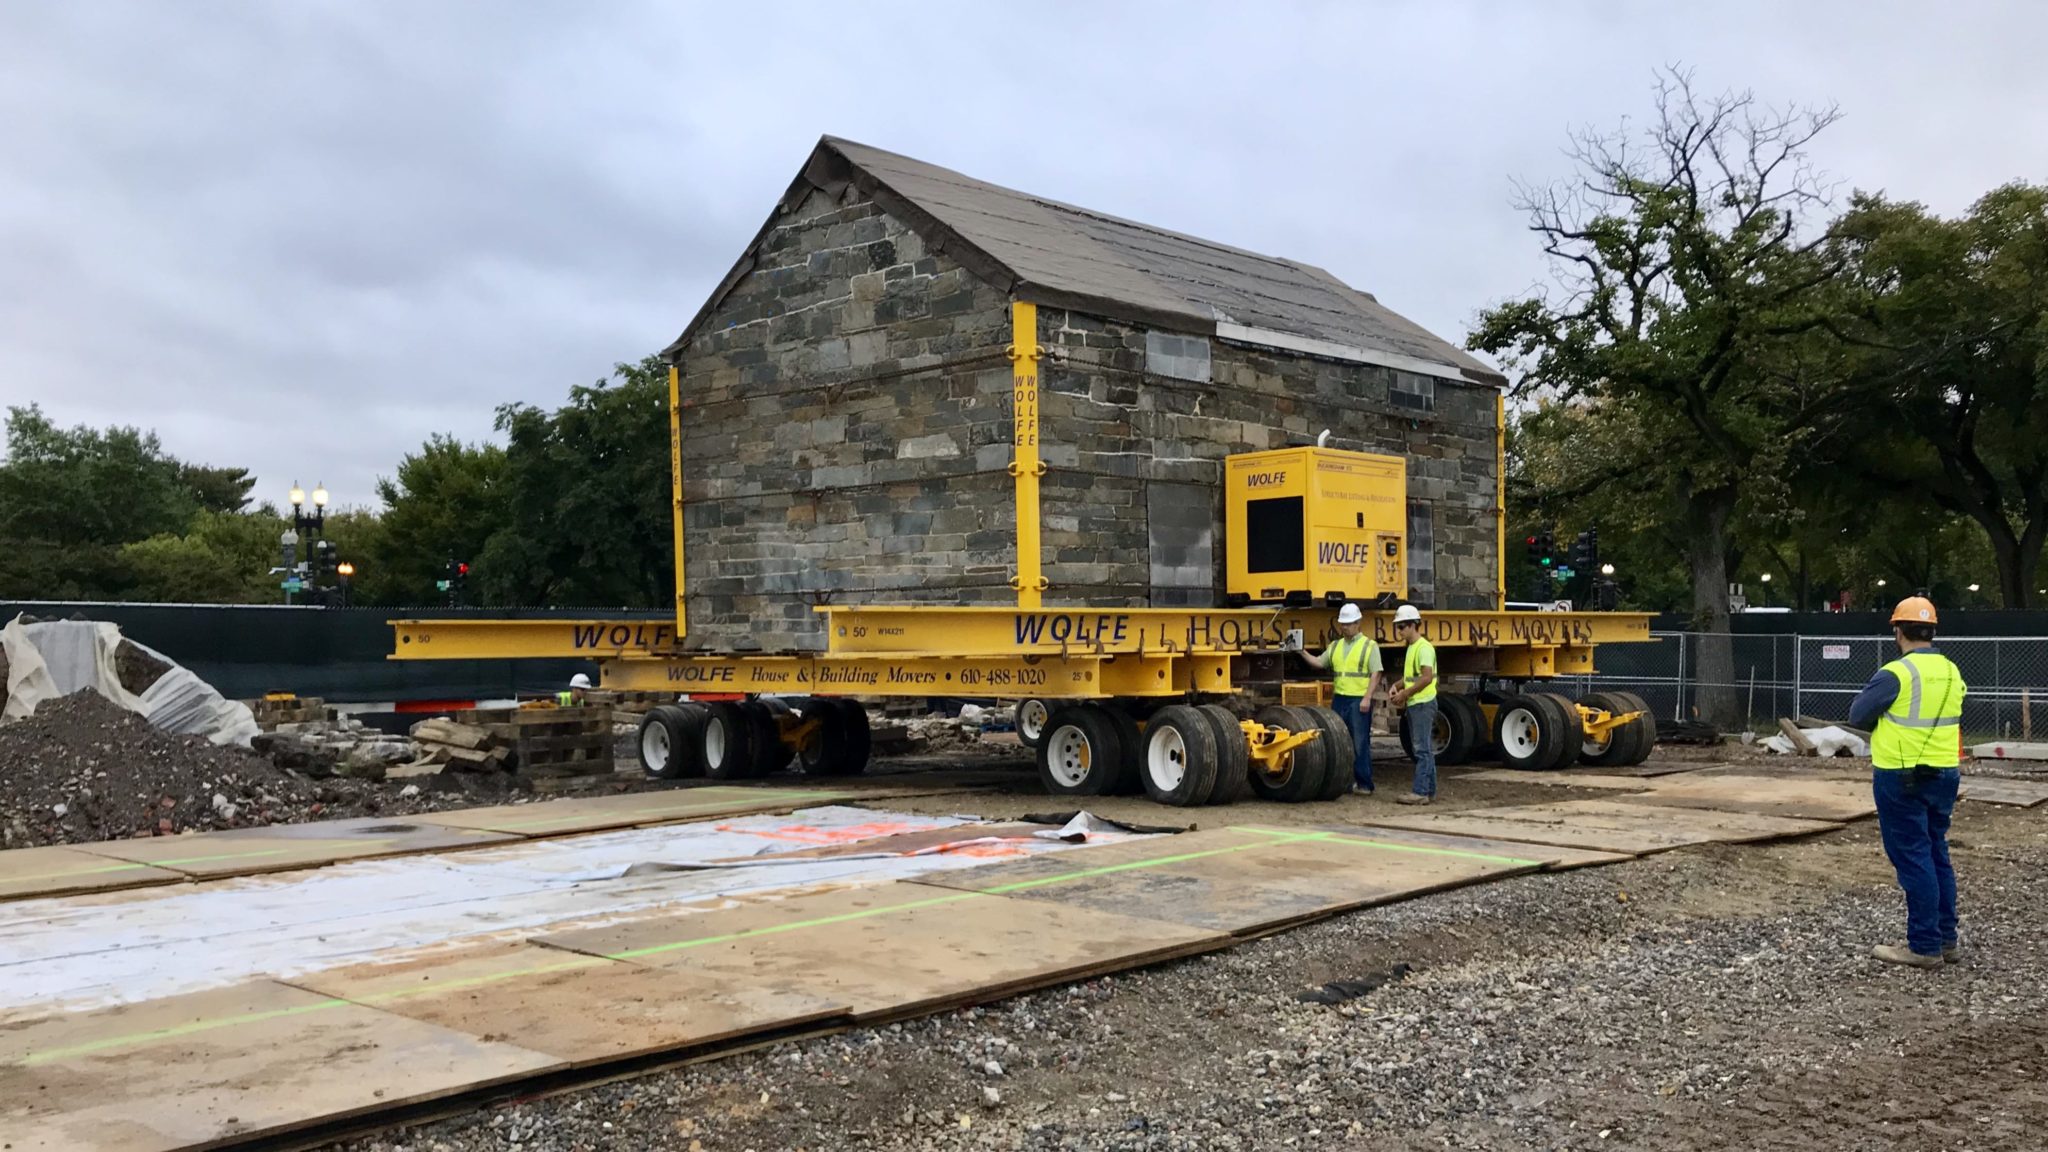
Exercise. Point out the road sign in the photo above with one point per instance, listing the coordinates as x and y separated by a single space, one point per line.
441 585
292 585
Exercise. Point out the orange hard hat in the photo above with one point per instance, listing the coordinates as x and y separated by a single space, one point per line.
1914 610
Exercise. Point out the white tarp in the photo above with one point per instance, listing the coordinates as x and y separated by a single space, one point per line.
1828 741
78 952
58 657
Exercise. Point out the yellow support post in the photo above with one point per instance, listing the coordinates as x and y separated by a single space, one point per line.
1500 500
1025 465
675 474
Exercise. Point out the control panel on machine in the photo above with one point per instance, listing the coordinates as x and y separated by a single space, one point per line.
1315 525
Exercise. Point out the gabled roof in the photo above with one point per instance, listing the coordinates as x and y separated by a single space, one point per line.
1059 255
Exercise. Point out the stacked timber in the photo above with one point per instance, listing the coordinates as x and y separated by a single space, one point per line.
463 747
544 743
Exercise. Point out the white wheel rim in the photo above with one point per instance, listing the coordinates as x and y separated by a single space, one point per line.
1520 733
1031 718
1068 756
714 742
654 746
1440 731
1166 758
1595 745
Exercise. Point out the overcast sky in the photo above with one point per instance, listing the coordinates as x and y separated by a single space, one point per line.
301 236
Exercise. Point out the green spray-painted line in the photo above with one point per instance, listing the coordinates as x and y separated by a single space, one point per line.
133 1038
793 926
1107 869
71 873
673 809
1391 846
478 981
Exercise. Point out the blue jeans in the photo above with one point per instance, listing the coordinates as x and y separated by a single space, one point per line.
1422 738
1360 722
1912 816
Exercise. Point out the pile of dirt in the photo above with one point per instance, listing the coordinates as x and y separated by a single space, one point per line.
138 670
82 768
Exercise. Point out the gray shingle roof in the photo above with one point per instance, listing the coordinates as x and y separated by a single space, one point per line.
1059 255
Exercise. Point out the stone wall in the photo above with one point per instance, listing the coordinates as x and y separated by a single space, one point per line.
846 437
1113 428
846 432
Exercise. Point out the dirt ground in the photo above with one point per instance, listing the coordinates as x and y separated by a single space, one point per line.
1703 998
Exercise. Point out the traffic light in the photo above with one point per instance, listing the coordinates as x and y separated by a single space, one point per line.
1586 551
1545 549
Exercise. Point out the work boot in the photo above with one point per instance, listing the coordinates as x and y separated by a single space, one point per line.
1413 798
1360 790
1952 953
1899 954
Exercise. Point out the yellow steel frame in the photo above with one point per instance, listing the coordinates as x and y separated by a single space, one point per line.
1598 722
1500 499
1525 644
675 474
1272 749
922 674
1025 465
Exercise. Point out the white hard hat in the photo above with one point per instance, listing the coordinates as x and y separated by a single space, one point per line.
579 680
1349 614
1407 614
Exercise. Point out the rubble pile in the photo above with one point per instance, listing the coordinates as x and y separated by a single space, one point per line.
83 768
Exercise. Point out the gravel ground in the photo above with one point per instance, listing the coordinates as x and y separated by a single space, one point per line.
1702 998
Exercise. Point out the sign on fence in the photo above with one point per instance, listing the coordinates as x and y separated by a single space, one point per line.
1834 651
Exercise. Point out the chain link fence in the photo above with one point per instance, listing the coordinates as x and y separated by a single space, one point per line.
1817 676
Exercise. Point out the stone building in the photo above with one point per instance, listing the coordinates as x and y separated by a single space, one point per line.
846 405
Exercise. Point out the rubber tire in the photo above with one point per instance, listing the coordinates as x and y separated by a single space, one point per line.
1337 774
1469 735
845 741
1621 742
771 755
1305 781
1457 738
682 726
1130 779
1549 743
1648 720
1103 738
1198 760
1567 714
1044 715
738 726
1233 769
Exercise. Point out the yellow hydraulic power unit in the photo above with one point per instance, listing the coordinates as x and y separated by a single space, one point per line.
1304 525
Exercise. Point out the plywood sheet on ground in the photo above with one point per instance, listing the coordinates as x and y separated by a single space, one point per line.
32 872
1804 798
582 1009
595 813
1553 857
894 949
1560 779
1604 825
1244 881
232 1063
283 847
1994 790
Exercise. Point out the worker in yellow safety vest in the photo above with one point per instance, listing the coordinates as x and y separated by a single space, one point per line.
1355 659
579 684
1916 704
1415 695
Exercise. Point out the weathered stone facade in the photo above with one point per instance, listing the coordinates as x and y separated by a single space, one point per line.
846 437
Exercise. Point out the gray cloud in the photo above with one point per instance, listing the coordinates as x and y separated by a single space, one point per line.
301 237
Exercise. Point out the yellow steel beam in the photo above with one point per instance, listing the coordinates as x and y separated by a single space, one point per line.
675 477
529 639
1025 465
923 628
1566 638
1085 677
1500 498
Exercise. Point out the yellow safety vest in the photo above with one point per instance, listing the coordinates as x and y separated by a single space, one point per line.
564 699
1421 654
1351 660
1921 727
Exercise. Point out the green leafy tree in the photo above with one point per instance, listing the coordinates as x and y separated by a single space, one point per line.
223 558
1951 356
587 498
1688 289
445 503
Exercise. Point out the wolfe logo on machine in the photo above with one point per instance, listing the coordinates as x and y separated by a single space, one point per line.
1265 479
1339 553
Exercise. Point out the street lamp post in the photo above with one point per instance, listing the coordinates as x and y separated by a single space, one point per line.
1767 589
346 571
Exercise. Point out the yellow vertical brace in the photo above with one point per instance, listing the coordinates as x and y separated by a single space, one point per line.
675 478
1500 500
1025 465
